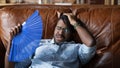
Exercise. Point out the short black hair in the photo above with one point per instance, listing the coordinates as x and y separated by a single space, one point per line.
66 22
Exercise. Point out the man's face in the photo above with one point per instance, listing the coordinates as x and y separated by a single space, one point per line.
61 33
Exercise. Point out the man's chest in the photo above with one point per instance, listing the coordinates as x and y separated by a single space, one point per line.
63 53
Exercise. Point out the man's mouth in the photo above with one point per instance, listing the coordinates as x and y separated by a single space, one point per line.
59 36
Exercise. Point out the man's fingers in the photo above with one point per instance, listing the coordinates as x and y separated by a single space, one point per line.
11 34
14 31
69 15
19 27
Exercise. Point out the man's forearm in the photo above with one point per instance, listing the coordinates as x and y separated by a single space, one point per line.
7 63
85 36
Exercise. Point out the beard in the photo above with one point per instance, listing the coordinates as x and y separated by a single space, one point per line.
58 38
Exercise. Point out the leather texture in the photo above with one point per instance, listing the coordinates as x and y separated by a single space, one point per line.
102 21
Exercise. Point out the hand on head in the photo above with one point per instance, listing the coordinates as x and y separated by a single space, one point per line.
71 18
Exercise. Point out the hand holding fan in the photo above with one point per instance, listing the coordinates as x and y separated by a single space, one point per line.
25 43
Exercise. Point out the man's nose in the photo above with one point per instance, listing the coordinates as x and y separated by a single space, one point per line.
61 31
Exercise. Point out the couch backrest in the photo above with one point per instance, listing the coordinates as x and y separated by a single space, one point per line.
102 21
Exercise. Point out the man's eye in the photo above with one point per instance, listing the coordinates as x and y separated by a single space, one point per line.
59 28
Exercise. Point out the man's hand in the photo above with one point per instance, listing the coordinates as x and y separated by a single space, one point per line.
14 31
83 33
71 18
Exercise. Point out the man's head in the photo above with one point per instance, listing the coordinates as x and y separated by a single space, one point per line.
63 29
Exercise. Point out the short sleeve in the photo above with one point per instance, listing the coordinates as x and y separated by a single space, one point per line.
86 53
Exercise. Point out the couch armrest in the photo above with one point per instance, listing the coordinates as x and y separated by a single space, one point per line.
105 61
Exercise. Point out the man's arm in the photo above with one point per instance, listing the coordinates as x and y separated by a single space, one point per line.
85 36
83 33
13 32
87 51
7 63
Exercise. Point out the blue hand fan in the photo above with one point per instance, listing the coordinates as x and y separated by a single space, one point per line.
24 44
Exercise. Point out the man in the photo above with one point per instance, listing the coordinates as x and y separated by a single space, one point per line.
61 52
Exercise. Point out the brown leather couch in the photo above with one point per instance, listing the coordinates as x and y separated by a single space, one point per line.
102 21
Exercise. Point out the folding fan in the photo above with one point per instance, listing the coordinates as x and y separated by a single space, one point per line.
24 44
